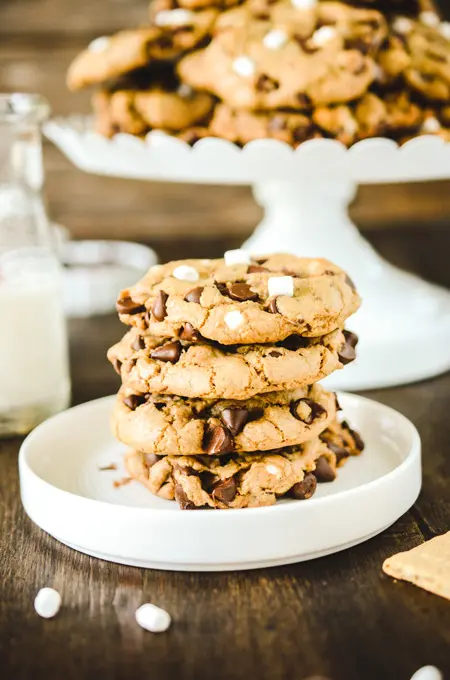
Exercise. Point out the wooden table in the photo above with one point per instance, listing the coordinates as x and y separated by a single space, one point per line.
337 617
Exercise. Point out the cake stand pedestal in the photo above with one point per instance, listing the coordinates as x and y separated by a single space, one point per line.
404 322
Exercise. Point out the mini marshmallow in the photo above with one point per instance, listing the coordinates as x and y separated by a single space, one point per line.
174 17
431 125
99 44
275 39
233 320
273 470
402 25
304 4
153 618
244 66
427 673
47 603
281 285
444 29
185 273
429 19
323 35
236 257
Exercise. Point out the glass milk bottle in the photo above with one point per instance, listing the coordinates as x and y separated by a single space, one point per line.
34 371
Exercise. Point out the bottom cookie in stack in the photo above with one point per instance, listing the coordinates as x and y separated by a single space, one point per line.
246 480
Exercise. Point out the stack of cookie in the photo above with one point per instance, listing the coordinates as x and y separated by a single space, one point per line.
219 401
291 70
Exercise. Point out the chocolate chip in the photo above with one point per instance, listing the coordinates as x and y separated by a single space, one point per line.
221 287
261 260
150 459
256 268
294 342
304 489
189 333
315 410
117 365
133 401
347 353
263 16
241 292
159 310
275 354
218 440
138 343
350 283
355 435
272 306
266 84
338 451
301 134
182 499
307 46
225 491
128 306
303 101
324 473
234 419
171 351
194 295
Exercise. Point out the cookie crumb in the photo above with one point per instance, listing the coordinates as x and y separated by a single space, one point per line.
121 482
111 466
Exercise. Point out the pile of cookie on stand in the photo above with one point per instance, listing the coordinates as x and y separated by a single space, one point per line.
219 403
291 70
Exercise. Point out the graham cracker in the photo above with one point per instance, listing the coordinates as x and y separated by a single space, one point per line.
427 566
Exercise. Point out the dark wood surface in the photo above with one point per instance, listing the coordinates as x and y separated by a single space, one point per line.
337 617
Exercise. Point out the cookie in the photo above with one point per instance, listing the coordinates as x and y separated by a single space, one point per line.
393 116
420 52
137 112
189 367
169 425
427 566
272 56
253 301
157 6
242 126
110 57
236 480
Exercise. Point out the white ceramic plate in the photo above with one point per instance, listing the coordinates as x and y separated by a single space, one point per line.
64 492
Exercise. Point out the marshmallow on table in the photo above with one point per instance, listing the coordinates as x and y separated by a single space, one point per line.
153 618
47 603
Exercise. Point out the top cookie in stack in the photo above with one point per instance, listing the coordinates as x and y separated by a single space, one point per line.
222 360
291 70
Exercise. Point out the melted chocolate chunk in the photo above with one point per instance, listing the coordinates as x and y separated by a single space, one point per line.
171 351
234 419
294 342
316 410
221 287
218 440
133 401
182 500
266 84
272 306
324 473
304 489
338 451
241 292
194 295
225 491
138 343
159 310
189 333
128 306
256 268
117 365
275 354
347 353
355 435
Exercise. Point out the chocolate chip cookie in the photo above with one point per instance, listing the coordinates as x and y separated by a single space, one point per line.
107 58
238 480
250 301
169 425
191 367
137 112
272 56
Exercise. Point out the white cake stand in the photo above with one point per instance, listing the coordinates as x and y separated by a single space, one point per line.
404 323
